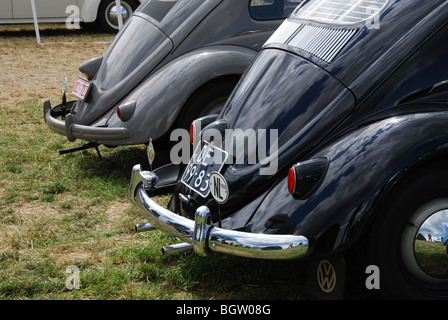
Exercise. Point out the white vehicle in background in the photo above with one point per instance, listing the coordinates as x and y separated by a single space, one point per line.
104 12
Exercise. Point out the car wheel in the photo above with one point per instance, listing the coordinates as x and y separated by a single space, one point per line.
413 264
107 13
210 99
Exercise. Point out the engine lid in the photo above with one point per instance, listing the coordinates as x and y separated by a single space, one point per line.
344 37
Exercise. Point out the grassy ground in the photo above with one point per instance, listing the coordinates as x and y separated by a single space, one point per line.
432 257
73 210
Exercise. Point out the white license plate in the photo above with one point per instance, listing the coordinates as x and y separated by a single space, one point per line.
205 160
81 89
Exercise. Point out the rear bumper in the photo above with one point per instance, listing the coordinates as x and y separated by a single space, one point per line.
75 131
202 236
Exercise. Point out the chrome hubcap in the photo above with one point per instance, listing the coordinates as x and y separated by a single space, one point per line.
424 241
112 13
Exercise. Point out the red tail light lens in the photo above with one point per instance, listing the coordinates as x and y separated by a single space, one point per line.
291 180
305 177
192 132
125 111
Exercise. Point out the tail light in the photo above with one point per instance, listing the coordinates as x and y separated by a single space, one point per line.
125 111
305 177
90 67
291 180
197 125
192 132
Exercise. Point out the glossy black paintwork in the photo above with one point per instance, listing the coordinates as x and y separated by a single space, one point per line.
377 111
397 36
363 166
302 109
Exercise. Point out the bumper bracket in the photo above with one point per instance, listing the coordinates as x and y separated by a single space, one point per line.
202 236
83 147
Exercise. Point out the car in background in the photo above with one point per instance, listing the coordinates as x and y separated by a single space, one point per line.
172 62
103 12
332 150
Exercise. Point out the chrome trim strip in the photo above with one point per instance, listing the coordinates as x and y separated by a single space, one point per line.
285 31
204 236
322 42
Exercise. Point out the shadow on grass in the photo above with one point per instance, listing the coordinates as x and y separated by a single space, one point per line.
230 277
117 162
50 30
108 177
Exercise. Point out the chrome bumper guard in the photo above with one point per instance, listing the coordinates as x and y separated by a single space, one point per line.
201 235
75 131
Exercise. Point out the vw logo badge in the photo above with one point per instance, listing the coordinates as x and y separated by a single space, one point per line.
326 276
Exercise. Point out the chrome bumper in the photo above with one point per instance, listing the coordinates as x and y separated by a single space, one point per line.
75 131
201 235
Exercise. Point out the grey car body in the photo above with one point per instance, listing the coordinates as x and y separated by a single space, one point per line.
172 62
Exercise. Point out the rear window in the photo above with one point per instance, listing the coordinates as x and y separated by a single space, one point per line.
272 9
345 12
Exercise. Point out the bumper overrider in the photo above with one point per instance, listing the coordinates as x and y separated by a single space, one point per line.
201 235
75 131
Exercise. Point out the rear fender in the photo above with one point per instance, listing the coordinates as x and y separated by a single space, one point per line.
160 98
364 166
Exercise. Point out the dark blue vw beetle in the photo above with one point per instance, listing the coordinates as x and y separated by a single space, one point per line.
348 104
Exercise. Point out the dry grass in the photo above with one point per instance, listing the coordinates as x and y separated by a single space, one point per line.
32 71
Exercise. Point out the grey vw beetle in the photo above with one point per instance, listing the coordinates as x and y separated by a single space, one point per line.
174 61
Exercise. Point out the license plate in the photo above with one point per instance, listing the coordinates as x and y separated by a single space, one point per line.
81 89
206 159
